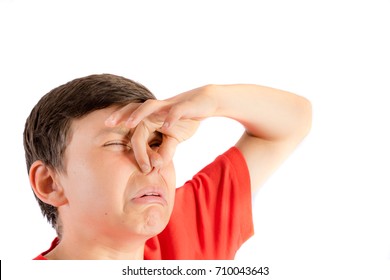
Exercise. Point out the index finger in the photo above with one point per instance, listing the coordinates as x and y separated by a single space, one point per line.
147 108
121 114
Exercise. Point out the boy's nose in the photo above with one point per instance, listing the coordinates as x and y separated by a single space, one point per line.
153 170
149 161
155 166
156 162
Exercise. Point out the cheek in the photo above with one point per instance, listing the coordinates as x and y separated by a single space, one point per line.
169 175
92 179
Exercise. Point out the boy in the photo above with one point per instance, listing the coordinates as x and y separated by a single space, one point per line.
99 153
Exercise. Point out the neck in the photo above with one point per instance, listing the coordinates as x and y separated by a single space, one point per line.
97 249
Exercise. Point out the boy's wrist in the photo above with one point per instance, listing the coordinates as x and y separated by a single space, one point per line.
224 99
214 93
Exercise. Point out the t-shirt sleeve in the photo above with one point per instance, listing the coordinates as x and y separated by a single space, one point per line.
212 216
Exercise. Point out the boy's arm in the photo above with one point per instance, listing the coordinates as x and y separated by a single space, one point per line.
275 122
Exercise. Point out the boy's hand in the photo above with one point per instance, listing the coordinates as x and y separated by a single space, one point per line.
275 122
177 118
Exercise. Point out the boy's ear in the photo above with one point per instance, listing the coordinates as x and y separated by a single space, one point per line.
44 185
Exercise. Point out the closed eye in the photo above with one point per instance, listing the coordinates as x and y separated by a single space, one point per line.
118 145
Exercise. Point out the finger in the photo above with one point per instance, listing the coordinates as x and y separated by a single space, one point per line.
156 159
167 149
121 114
139 143
147 108
175 113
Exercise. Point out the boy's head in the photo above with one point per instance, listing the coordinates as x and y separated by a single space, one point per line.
59 120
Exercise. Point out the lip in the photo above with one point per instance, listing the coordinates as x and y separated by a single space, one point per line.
152 195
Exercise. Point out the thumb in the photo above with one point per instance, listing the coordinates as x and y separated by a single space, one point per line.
167 148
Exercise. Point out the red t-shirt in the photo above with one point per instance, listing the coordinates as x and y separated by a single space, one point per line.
212 215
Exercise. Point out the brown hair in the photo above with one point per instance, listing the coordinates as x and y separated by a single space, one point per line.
47 127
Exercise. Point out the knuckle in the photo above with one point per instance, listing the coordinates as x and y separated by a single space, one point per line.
177 110
150 101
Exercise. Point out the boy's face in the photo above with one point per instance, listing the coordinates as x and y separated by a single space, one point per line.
107 194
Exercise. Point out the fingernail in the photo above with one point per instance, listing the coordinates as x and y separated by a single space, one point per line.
166 125
157 162
145 168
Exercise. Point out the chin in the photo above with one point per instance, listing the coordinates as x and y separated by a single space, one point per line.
154 222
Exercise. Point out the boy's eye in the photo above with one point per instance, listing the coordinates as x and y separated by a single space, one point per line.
156 142
118 145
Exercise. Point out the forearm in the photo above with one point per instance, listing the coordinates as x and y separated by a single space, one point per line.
266 113
275 122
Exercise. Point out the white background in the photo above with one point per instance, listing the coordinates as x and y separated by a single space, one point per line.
327 205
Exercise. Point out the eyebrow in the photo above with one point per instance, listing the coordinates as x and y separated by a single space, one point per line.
121 130
124 131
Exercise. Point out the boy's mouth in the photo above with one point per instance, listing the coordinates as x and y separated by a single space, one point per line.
151 194
150 197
